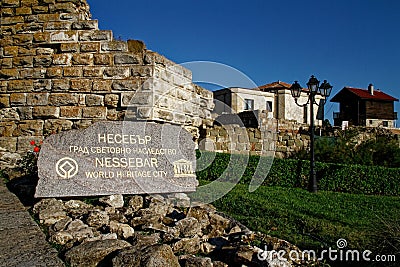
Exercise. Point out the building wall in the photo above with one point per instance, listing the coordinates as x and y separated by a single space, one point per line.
284 107
234 98
59 71
380 123
379 110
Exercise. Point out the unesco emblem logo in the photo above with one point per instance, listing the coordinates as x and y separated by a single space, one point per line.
66 168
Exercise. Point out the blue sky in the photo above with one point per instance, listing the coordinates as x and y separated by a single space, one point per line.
347 42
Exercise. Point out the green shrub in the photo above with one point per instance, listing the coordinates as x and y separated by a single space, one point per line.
358 179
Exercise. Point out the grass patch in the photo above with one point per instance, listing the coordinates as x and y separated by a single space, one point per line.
317 221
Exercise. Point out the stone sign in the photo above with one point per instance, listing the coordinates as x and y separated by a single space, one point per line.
117 158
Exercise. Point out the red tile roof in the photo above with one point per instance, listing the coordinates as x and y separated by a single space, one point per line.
275 85
364 94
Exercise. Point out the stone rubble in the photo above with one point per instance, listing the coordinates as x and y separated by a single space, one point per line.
152 231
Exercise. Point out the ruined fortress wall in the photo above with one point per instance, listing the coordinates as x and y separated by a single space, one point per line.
59 71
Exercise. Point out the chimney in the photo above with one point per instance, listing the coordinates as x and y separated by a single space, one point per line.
371 89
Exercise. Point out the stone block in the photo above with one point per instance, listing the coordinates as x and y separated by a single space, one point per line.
40 9
18 99
63 99
125 85
90 47
7 128
144 113
37 73
20 85
82 59
29 3
25 113
54 126
142 71
67 7
32 19
111 100
94 35
164 115
57 26
115 115
41 37
70 16
120 59
10 51
29 128
94 112
136 99
64 36
69 47
12 20
92 72
114 46
9 74
26 62
85 25
94 100
37 99
28 28
72 71
42 85
46 112
81 85
60 85
22 51
136 46
69 112
10 3
102 59
9 143
4 101
48 17
54 72
102 86
62 59
7 12
6 62
22 39
116 73
179 118
44 51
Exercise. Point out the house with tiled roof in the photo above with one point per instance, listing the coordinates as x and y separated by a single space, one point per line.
274 98
365 107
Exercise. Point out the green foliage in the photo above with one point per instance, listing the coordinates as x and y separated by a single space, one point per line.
358 179
382 151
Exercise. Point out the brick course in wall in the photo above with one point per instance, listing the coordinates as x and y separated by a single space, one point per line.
59 71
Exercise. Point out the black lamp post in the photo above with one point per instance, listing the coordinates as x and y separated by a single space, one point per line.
314 89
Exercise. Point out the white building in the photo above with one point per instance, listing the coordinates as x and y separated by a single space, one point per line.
275 98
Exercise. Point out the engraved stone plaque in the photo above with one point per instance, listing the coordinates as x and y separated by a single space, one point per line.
117 158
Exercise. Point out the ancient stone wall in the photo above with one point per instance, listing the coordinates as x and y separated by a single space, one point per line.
59 71
255 141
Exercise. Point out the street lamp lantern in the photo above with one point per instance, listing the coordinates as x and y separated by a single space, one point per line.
295 89
313 89
313 84
325 89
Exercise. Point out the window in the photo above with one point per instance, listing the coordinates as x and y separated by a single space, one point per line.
385 124
305 115
248 104
370 122
269 106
